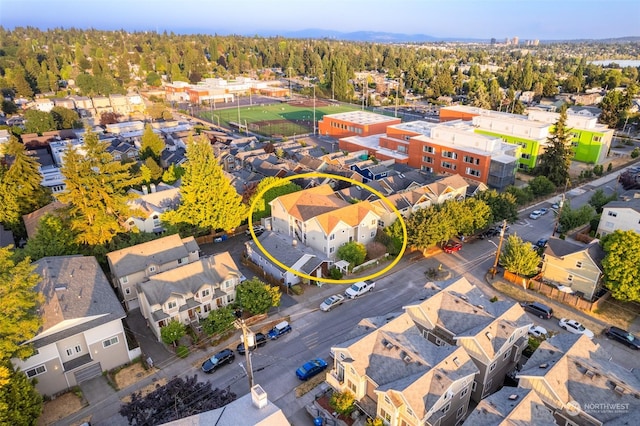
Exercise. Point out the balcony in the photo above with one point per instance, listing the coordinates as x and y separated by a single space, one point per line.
334 381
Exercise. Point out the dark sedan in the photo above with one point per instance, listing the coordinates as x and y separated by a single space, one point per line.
225 356
623 336
261 340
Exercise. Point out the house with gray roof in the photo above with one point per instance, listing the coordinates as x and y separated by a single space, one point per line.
398 375
287 251
82 333
150 205
576 266
622 214
576 379
511 406
190 292
132 265
493 334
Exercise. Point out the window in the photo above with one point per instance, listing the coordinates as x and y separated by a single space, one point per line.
464 392
78 349
426 159
450 154
597 138
448 165
124 280
172 304
578 264
331 249
206 307
183 260
525 156
402 148
446 408
506 354
352 386
332 236
410 412
69 351
110 342
127 291
387 400
472 172
487 388
227 284
570 277
36 371
428 149
131 223
613 214
492 367
460 412
386 415
373 234
474 386
152 268
205 293
426 169
456 361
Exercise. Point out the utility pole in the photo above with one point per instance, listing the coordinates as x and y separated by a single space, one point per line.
494 270
246 334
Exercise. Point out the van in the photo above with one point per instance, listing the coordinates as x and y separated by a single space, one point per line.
538 309
280 329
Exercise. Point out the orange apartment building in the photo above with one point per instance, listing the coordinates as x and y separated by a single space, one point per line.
444 148
354 123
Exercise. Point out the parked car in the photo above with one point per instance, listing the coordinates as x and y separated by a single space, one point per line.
311 368
622 336
257 229
538 309
575 327
221 238
538 331
280 329
452 247
542 242
359 288
331 301
260 340
543 211
225 356
535 214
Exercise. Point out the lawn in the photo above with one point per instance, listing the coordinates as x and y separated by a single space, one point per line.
276 119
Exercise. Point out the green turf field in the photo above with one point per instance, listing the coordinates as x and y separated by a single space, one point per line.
276 119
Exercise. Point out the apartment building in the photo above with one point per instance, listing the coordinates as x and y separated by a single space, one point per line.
354 123
136 264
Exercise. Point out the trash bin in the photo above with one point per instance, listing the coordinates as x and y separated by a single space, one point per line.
318 421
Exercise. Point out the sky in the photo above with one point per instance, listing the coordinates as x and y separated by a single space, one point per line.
480 19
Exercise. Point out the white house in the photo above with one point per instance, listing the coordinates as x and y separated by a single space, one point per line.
151 205
82 333
622 214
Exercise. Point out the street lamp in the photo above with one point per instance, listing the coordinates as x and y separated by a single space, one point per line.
494 270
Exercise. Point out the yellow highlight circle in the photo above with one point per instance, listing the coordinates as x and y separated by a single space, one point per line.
328 280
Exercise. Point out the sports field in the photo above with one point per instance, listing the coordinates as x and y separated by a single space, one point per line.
278 120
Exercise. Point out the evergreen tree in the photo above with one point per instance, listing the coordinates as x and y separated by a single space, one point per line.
257 297
621 264
151 145
20 402
519 257
207 198
555 161
19 301
95 191
154 169
54 238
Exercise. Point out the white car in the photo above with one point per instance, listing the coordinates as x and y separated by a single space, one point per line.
538 331
359 288
535 214
331 301
575 327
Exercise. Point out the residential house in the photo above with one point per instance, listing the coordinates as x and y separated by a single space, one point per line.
399 376
577 380
32 220
622 214
151 205
493 334
287 251
6 237
320 219
511 406
82 333
190 292
133 265
574 265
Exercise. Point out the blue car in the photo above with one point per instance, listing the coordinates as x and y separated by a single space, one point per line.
279 330
311 368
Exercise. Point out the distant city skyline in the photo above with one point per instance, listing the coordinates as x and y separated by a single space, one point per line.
463 19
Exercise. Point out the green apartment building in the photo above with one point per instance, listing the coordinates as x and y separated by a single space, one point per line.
591 141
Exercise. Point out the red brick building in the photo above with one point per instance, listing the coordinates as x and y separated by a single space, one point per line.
354 123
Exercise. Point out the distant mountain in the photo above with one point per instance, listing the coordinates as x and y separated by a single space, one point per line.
370 36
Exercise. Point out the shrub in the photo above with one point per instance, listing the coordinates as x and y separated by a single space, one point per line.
297 289
342 402
493 299
610 167
635 153
182 351
335 273
375 250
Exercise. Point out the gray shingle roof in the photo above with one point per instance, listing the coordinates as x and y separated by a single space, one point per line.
281 247
188 279
511 407
159 252
74 287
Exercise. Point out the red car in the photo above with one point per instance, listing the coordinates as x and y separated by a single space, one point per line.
452 247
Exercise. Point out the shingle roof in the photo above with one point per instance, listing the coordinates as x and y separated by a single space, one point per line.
188 279
281 247
351 214
309 203
74 288
511 407
559 248
163 250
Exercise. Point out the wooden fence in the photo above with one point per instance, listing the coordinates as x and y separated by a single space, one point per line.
552 292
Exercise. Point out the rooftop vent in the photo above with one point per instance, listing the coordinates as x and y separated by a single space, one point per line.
464 297
545 365
489 335
387 344
619 390
513 397
407 359
259 396
61 287
589 373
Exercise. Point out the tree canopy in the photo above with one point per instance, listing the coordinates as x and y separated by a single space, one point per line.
151 144
257 297
519 257
219 320
621 264
20 402
172 332
207 198
555 161
353 252
177 399
278 187
96 192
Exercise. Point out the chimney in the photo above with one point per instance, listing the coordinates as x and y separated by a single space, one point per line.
153 187
259 397
145 190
